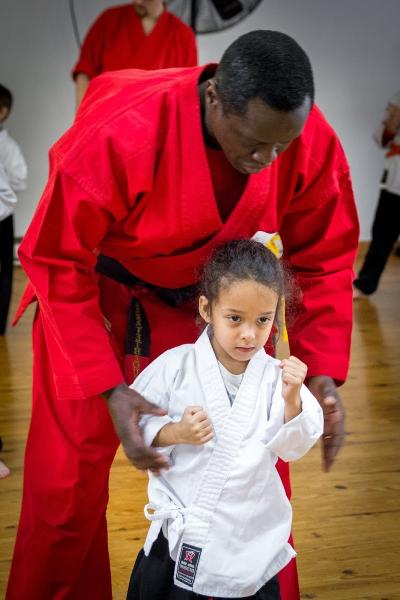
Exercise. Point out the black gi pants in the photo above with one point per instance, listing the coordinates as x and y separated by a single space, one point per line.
385 231
6 268
153 579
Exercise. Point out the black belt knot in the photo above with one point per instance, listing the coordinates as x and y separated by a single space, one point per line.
138 334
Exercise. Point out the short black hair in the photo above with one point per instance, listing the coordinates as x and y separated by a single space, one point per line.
6 98
264 64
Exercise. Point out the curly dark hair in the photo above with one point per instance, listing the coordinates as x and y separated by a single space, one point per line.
244 259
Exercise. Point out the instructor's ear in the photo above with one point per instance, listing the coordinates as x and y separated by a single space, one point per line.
204 309
211 93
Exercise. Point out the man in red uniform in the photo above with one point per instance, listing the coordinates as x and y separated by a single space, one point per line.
158 168
140 35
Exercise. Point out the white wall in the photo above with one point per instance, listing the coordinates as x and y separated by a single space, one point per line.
354 47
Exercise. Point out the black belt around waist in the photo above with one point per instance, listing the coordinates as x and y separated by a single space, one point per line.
138 334
172 296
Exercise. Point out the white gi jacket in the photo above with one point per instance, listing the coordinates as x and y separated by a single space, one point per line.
391 182
222 505
13 173
8 199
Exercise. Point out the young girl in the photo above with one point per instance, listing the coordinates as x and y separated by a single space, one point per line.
220 518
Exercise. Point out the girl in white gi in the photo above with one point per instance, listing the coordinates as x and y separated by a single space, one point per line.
220 518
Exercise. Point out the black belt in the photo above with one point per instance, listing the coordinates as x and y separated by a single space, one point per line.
138 334
172 296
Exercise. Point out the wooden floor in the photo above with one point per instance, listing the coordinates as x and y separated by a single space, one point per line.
346 523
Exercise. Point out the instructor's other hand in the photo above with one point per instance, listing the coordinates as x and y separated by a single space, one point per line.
126 408
325 390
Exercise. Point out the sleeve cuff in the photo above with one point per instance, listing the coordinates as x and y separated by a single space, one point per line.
152 425
73 388
82 69
295 438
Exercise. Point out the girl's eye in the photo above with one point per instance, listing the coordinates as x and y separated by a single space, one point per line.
264 320
234 318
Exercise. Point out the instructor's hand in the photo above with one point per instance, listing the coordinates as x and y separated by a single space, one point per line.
126 408
324 389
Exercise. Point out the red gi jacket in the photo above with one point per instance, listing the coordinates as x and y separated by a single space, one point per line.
131 179
117 41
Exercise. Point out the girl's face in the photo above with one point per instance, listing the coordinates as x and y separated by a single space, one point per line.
241 319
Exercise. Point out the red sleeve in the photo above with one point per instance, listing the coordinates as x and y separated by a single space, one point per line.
90 58
320 239
189 49
181 46
57 253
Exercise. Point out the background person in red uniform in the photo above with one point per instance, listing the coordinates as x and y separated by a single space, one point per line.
159 168
140 35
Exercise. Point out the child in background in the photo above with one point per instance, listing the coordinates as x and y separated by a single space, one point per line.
386 225
7 198
13 173
220 518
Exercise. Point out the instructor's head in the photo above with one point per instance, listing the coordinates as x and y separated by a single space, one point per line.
259 98
148 8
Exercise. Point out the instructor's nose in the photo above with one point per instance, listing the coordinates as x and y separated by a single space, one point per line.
265 156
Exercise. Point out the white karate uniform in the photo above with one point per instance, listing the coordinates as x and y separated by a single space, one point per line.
222 506
13 173
8 199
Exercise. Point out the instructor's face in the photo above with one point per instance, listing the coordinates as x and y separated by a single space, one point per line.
252 141
148 8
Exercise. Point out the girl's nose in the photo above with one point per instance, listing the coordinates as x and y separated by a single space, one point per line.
248 334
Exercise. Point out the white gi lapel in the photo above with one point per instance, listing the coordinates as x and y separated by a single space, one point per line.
230 424
217 402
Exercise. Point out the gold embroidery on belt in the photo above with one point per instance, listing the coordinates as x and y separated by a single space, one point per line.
138 340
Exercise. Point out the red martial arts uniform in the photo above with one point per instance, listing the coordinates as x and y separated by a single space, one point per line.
131 180
117 41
